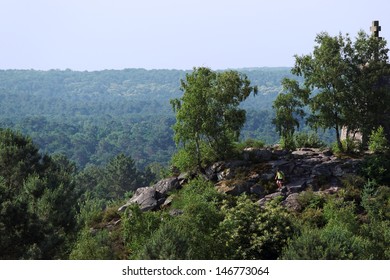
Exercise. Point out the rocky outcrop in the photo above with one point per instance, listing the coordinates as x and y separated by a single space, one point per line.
304 168
254 174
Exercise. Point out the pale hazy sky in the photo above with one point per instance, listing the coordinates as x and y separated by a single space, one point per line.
174 34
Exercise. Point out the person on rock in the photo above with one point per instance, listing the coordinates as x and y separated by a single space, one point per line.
279 178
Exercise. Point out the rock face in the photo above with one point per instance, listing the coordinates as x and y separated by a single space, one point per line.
254 174
304 168
151 198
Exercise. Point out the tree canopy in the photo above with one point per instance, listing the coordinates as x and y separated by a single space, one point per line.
208 118
346 83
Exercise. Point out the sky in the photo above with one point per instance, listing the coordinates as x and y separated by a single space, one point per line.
174 34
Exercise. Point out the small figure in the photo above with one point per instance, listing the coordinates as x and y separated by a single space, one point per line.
279 178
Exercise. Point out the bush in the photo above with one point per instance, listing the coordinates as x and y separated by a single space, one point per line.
376 168
92 246
353 186
249 232
249 143
330 243
185 159
338 239
186 236
137 228
348 146
308 140
287 142
310 199
377 142
313 217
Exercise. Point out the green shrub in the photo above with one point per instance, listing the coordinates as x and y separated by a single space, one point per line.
378 233
310 199
377 142
313 217
249 143
138 227
186 236
308 140
353 186
92 246
376 168
332 242
183 160
287 142
348 146
376 201
329 233
250 232
169 242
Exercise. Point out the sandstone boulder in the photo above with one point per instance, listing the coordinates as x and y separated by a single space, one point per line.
151 198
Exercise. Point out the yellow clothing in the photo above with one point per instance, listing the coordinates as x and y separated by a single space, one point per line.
279 175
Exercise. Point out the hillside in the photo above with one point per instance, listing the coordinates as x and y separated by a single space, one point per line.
326 210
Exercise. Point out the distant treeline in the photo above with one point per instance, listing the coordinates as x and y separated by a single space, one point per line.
92 116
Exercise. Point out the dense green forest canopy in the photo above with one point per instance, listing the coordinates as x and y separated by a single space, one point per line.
92 116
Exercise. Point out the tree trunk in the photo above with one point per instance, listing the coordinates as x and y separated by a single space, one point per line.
198 155
339 145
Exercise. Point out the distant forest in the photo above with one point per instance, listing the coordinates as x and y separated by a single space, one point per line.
90 117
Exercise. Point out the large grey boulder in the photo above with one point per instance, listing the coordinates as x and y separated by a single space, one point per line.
262 202
223 170
292 202
151 198
166 185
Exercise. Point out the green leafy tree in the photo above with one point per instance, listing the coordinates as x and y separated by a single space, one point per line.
37 201
288 109
208 118
114 180
368 100
122 176
326 72
347 83
378 142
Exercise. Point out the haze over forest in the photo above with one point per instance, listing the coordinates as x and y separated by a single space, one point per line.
92 116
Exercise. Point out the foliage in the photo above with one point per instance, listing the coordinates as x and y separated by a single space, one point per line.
376 168
114 180
329 243
369 97
187 236
92 246
90 117
378 142
287 142
337 240
308 140
207 115
37 201
376 203
348 147
288 108
321 71
310 199
137 227
250 143
344 83
250 232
